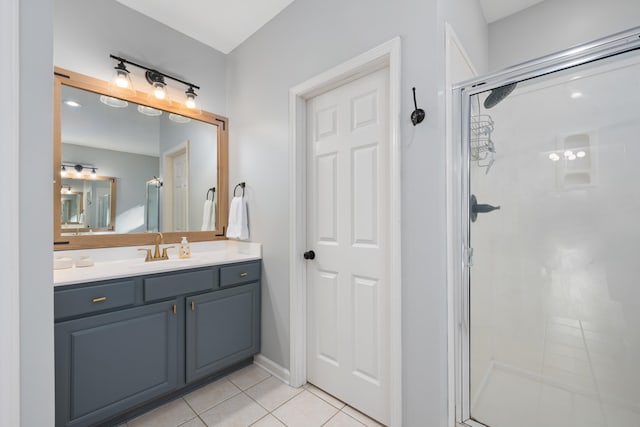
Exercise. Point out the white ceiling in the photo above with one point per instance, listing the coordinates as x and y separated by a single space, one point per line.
221 24
224 24
497 9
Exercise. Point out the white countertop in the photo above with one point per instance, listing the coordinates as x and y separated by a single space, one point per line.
113 263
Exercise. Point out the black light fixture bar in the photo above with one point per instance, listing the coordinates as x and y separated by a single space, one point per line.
151 70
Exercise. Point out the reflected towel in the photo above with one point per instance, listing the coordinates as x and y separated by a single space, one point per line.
238 219
208 216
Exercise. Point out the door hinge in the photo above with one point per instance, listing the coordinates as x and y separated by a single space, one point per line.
468 257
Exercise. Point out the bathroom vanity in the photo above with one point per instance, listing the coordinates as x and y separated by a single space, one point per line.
128 333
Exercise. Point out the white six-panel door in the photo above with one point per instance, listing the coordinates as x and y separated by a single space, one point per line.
348 212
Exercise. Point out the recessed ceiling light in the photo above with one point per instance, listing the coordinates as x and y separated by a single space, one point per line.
72 103
576 95
113 102
178 118
148 111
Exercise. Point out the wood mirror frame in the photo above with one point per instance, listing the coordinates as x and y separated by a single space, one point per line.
88 241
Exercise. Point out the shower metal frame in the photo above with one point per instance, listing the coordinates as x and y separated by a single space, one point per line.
460 254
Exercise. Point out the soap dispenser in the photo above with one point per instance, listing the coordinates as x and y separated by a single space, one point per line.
185 249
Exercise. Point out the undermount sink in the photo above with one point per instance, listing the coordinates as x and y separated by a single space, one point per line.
171 262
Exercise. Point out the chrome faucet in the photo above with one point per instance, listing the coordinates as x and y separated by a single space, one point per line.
156 252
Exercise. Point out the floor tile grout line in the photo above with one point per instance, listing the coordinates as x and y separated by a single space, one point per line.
252 385
332 417
327 401
289 399
219 403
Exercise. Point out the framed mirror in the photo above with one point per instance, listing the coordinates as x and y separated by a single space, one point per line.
165 160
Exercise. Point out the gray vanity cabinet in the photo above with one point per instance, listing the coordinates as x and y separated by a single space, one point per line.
110 362
222 328
124 344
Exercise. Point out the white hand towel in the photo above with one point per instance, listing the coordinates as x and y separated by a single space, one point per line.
207 213
238 227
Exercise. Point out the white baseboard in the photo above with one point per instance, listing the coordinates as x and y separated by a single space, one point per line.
272 367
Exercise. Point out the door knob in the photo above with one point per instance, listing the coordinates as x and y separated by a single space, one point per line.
309 255
478 208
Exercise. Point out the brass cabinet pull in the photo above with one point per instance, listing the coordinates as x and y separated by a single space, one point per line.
193 305
174 309
244 274
99 299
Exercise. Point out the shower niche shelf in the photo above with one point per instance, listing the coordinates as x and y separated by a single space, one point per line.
576 166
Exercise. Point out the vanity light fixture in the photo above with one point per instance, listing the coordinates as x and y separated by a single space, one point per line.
156 79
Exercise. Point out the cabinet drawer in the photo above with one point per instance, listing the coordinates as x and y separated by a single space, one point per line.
73 302
240 273
171 285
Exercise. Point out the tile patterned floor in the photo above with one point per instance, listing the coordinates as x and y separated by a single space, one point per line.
253 397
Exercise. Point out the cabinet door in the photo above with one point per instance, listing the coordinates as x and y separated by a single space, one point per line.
108 363
222 328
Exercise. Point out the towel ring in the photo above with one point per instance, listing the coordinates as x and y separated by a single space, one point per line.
212 190
241 185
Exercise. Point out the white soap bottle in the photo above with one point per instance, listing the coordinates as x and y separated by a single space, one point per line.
185 249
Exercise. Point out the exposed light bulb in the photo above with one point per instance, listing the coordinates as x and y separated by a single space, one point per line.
554 157
572 157
191 98
93 172
581 154
121 79
159 91
568 153
63 171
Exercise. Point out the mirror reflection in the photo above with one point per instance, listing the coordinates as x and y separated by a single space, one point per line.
164 165
87 205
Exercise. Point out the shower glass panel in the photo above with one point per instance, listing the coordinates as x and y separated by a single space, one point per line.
554 289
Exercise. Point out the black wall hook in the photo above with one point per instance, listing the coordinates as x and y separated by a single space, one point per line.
241 186
212 190
418 114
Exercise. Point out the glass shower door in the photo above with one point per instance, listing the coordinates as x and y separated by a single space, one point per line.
554 287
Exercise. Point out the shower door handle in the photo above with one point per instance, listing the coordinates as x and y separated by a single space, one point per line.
476 208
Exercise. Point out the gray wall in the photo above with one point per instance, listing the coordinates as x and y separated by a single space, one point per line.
132 171
556 25
86 32
36 214
467 20
304 40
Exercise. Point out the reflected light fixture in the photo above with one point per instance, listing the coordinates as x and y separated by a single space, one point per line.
72 103
79 168
156 79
